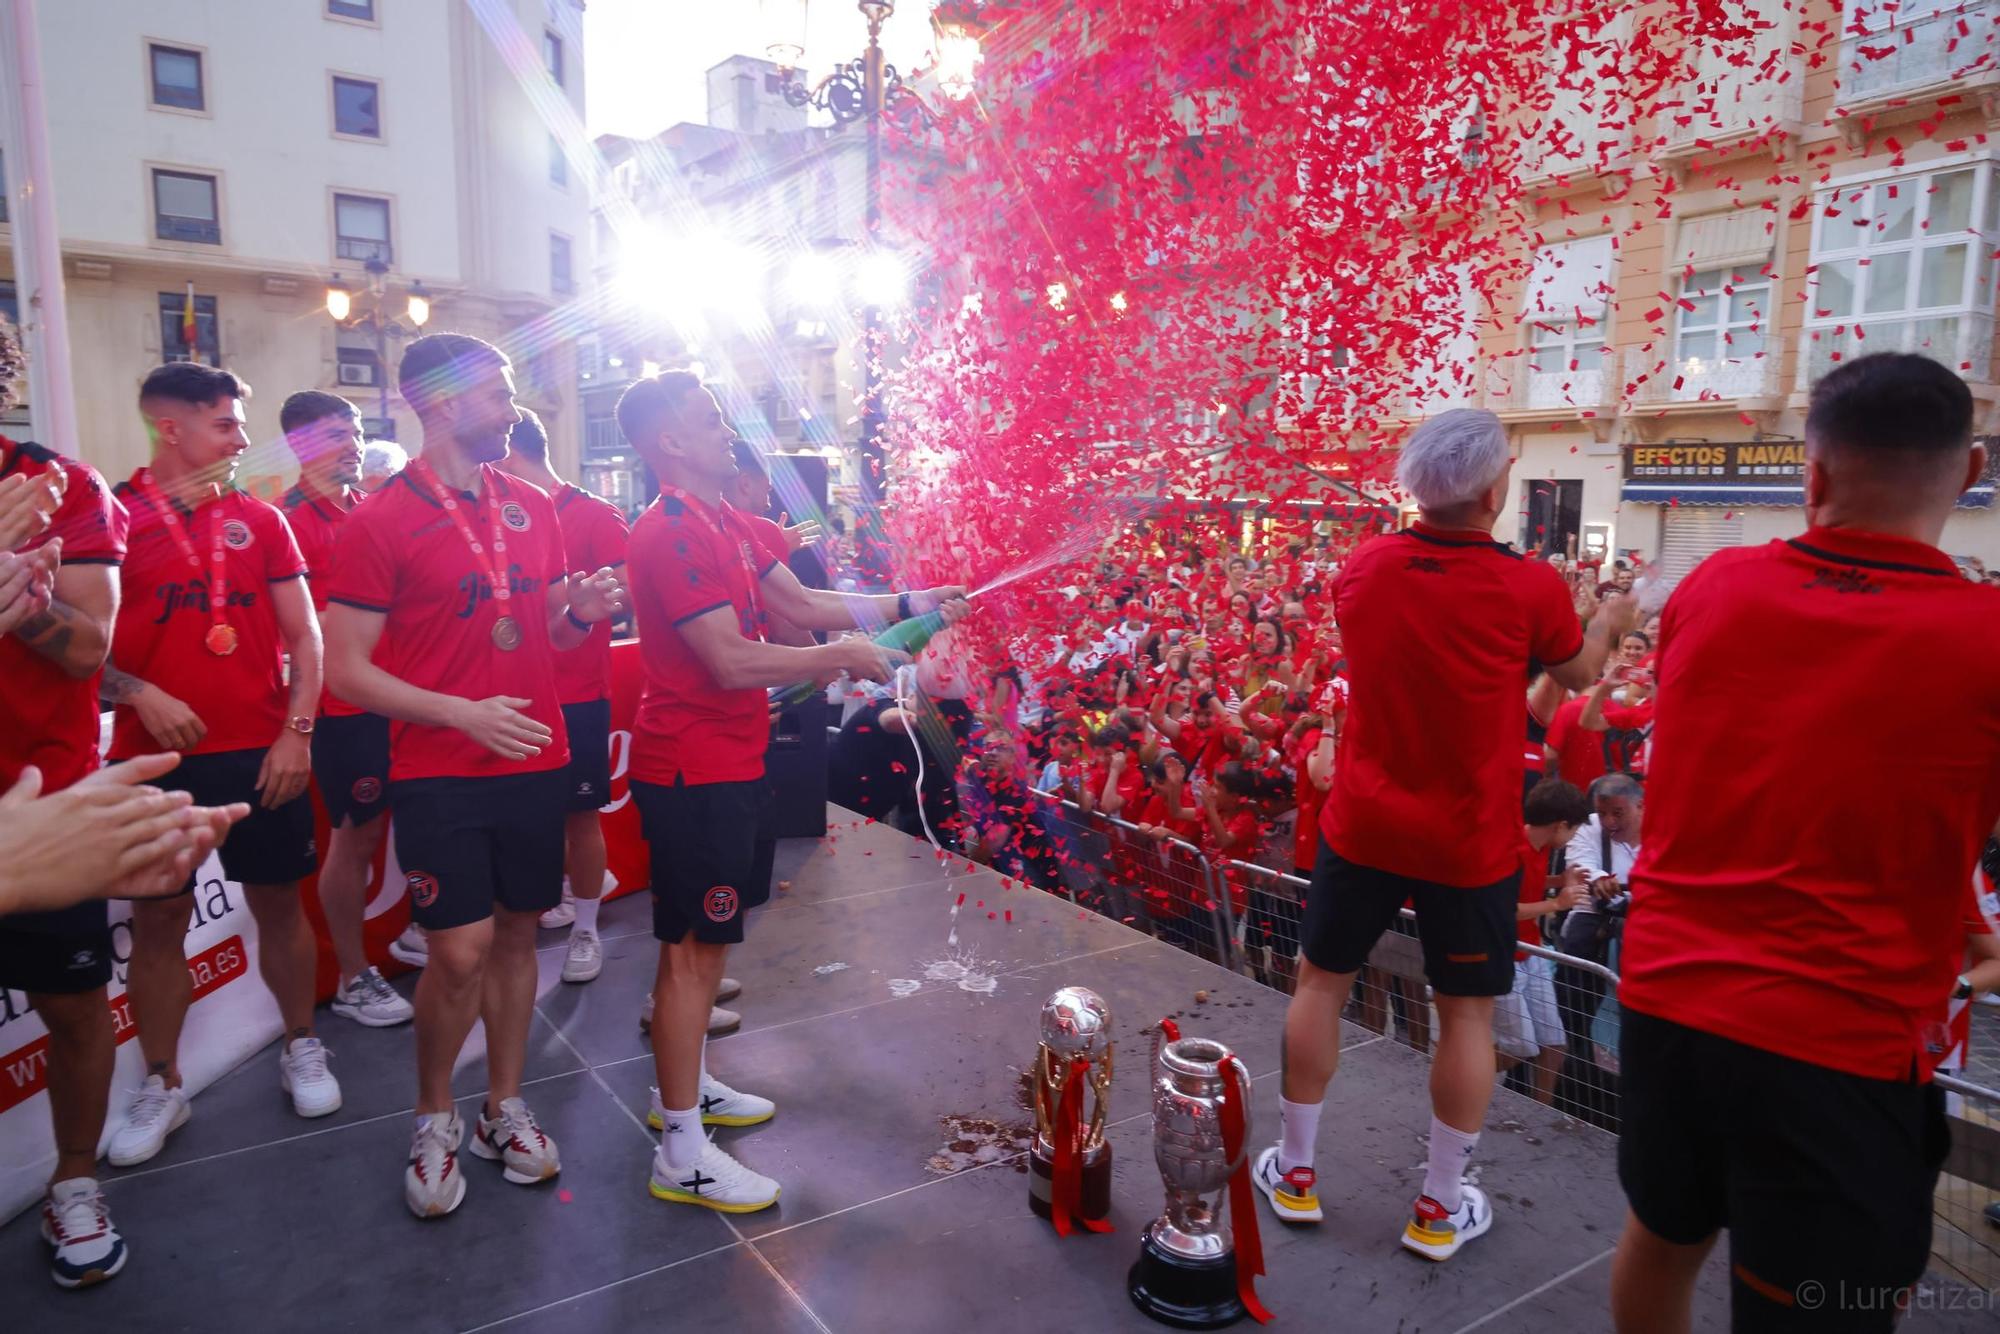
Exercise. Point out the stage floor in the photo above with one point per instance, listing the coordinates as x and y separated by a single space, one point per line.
255 1220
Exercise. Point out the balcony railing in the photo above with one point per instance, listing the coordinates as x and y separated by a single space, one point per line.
1738 106
1920 50
1512 385
1962 342
1659 377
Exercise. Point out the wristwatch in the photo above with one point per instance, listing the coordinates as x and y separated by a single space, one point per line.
902 606
303 726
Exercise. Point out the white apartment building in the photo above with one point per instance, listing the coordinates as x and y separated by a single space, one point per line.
256 150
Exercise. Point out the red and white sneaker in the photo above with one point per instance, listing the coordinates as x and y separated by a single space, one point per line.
77 1224
1437 1235
514 1140
432 1184
1292 1194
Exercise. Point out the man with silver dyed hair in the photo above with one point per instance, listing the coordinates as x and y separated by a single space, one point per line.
1441 626
381 460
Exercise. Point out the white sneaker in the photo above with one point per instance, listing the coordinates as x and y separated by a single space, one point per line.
563 913
302 1073
76 1223
514 1140
1293 1195
432 1184
1436 1235
727 990
155 1113
720 1021
586 957
412 947
721 1105
368 999
716 1181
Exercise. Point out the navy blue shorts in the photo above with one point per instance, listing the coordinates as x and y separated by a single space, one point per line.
351 767
61 953
264 847
466 844
712 856
589 772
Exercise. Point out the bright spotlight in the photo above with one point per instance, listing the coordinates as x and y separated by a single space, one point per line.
882 279
814 281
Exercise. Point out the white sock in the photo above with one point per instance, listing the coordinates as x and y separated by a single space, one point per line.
1299 1122
1451 1150
681 1139
586 915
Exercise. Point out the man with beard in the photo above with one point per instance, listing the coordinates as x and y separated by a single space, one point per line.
456 571
350 746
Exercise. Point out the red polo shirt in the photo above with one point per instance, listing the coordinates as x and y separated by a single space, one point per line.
1579 752
316 521
686 561
1439 628
47 719
401 555
594 536
1803 875
164 617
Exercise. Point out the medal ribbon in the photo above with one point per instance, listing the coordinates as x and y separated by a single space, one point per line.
218 551
491 564
1066 1173
1242 1205
713 522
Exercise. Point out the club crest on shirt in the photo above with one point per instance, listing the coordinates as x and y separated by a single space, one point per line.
514 516
235 534
423 889
719 903
367 791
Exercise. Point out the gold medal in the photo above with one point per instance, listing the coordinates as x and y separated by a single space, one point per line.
506 634
221 640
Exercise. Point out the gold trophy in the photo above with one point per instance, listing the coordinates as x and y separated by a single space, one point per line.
1069 1167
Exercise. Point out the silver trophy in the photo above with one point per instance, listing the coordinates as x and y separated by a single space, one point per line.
1075 1045
1186 1271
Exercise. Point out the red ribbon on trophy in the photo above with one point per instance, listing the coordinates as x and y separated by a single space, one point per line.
1066 1181
1242 1203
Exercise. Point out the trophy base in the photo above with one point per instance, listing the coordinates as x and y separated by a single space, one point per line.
1174 1290
1096 1204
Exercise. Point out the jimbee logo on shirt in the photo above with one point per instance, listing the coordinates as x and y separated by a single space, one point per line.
236 535
514 517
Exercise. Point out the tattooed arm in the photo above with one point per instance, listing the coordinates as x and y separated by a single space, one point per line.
75 631
173 724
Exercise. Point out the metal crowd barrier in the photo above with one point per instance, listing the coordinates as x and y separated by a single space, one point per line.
1965 1237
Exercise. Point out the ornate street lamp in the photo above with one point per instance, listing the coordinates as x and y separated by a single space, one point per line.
340 302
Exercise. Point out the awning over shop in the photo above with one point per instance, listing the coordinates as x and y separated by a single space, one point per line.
1736 496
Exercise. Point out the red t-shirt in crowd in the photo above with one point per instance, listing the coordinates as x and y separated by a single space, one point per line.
688 560
1806 853
1946 1050
1439 627
164 617
1630 751
47 718
594 536
1155 813
1534 888
401 555
316 521
1245 833
1579 753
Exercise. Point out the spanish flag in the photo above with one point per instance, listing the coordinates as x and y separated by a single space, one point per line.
190 331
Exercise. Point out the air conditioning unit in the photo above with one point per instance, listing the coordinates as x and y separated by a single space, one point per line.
358 372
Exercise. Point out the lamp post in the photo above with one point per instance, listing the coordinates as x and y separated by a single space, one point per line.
340 303
870 89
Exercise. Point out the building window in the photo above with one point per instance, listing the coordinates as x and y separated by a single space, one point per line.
1889 50
558 164
184 208
560 278
1905 265
352 9
177 78
361 229
552 54
173 332
1567 316
1720 332
357 107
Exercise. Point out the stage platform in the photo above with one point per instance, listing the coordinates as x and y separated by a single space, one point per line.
900 1115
